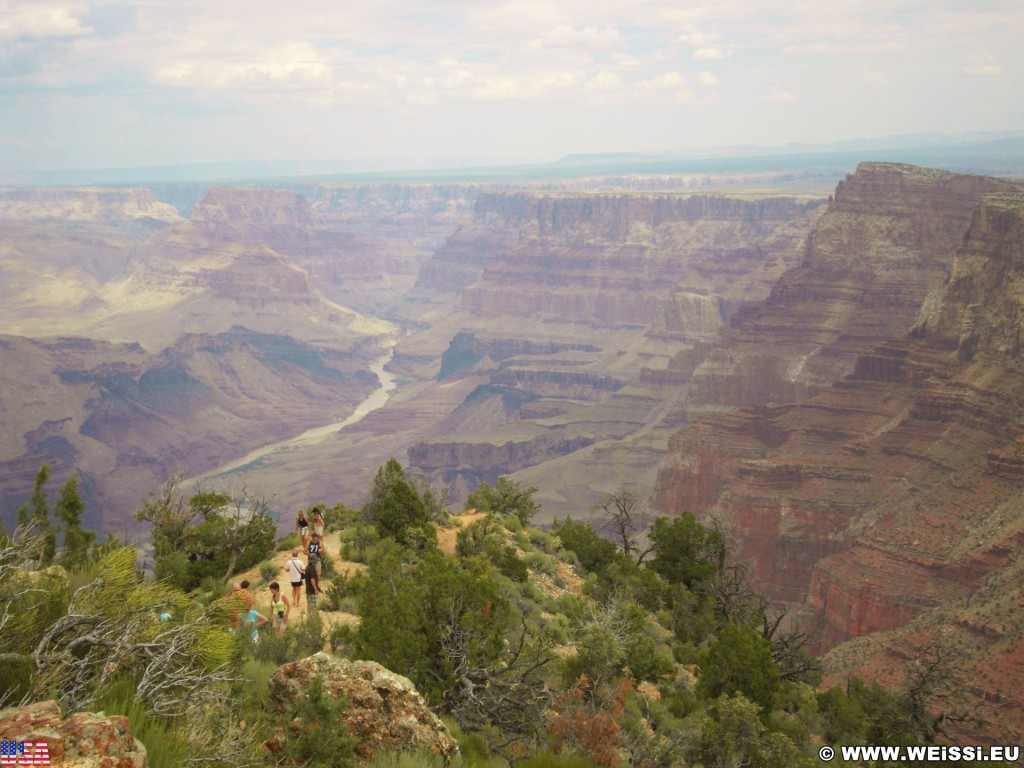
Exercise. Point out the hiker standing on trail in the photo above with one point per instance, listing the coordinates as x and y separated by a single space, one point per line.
245 594
312 587
316 552
295 568
318 521
280 608
302 528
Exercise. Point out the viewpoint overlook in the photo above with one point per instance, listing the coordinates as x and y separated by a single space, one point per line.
832 374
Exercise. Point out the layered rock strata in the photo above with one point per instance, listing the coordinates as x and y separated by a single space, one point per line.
892 498
586 312
887 240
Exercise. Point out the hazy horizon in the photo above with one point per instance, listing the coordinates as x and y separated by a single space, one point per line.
100 84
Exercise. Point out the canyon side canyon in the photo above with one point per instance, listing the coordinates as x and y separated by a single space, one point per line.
833 376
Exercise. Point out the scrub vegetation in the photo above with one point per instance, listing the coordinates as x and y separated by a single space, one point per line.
547 649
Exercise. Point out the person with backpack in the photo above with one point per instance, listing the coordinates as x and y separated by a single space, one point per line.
296 569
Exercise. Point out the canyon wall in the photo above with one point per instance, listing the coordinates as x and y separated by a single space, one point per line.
886 505
585 313
887 240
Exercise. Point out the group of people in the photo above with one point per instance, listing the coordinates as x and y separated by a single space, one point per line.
298 572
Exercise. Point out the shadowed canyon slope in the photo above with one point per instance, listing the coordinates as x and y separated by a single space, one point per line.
140 343
889 500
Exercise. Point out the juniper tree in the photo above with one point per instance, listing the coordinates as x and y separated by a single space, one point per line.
505 498
34 518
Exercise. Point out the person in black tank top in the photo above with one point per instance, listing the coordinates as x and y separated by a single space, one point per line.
315 552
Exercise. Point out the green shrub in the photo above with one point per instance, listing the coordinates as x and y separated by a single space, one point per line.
342 591
328 569
289 542
362 545
511 565
419 759
473 749
551 760
540 562
269 570
513 524
338 517
340 639
315 734
594 553
213 586
172 567
299 640
542 539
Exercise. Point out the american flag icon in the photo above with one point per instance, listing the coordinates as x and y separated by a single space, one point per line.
24 752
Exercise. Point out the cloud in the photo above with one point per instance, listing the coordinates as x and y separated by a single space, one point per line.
604 81
65 65
588 38
982 65
37 20
697 39
983 69
709 54
809 48
293 67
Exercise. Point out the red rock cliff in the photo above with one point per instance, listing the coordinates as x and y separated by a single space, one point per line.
892 499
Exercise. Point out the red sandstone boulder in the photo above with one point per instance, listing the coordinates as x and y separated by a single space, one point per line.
385 712
84 740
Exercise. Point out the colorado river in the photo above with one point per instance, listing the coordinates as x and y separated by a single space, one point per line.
375 400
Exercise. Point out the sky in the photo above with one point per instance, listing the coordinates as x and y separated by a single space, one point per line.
385 84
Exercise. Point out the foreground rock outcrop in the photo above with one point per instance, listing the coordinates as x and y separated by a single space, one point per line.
385 712
83 740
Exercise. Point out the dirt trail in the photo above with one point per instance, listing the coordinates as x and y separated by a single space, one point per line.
446 540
